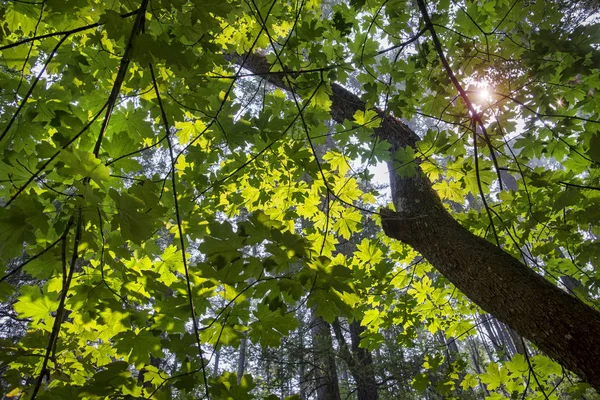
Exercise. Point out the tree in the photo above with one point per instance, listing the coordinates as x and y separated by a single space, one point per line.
134 136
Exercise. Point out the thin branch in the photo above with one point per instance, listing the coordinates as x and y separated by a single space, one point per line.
474 114
67 32
180 229
41 253
58 319
30 91
45 164
579 186
123 68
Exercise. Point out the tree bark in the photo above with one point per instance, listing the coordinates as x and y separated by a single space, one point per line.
560 325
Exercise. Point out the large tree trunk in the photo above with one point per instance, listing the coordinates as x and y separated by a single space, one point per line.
562 326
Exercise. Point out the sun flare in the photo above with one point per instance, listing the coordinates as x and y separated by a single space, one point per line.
483 94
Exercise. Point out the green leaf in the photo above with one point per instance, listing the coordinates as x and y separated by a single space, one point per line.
34 304
421 382
594 150
368 252
348 222
495 376
271 326
85 164
138 346
367 118
404 162
469 381
134 217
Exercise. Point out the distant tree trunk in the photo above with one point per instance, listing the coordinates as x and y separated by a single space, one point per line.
367 386
486 323
486 347
475 358
570 283
452 346
217 358
506 339
517 341
474 355
559 324
301 371
439 335
359 361
344 381
325 367
500 336
282 382
241 365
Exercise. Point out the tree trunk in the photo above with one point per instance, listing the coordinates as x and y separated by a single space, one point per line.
562 326
217 358
241 367
484 341
517 341
325 368
366 384
301 373
486 323
506 339
474 351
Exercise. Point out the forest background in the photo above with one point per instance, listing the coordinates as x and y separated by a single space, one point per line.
189 208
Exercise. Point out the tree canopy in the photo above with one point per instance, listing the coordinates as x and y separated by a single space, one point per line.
181 179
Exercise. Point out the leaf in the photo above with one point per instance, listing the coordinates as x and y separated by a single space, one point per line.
420 382
85 164
14 231
368 252
372 319
133 218
271 326
369 118
34 304
422 289
495 376
404 162
348 222
321 98
341 25
594 150
338 161
469 381
138 346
